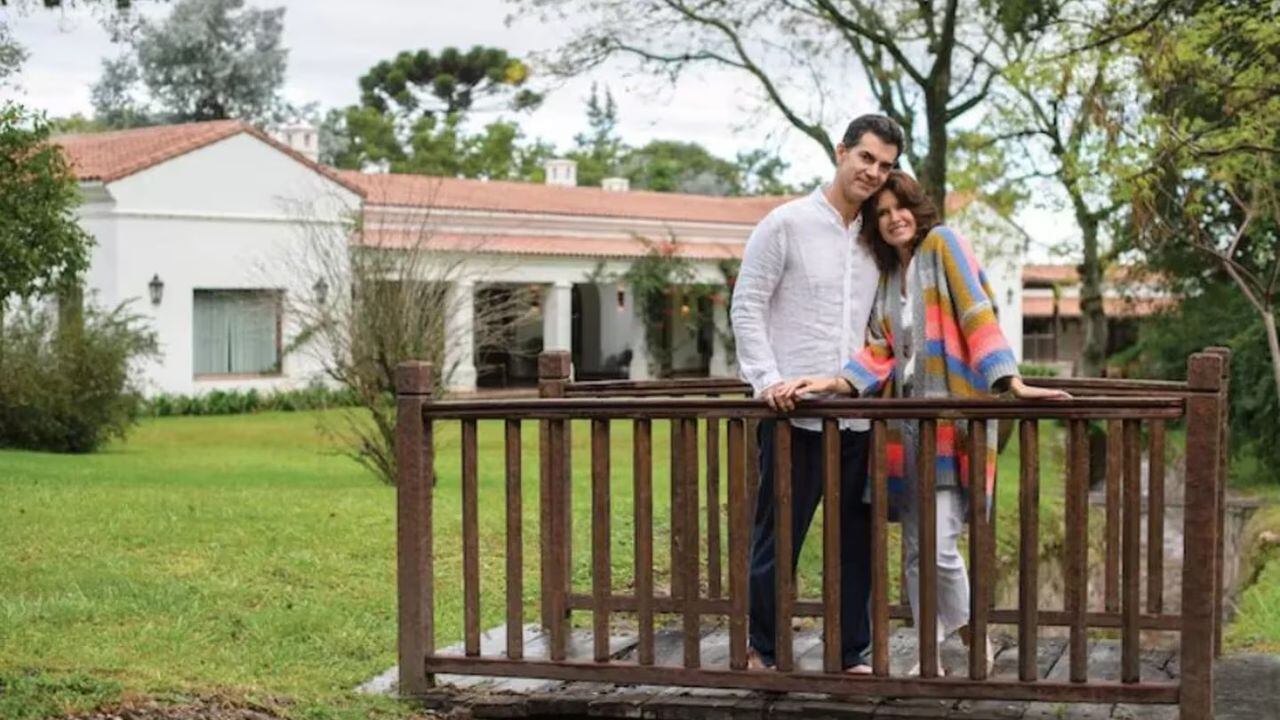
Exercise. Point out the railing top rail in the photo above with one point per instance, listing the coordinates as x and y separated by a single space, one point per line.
938 408
731 386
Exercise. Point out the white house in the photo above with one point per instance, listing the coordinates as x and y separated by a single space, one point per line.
197 224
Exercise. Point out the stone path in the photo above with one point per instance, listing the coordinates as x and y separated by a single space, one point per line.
1248 686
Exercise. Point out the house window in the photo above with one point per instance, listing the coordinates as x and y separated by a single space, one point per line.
237 332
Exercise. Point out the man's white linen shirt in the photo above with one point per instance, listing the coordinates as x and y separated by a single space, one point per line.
803 297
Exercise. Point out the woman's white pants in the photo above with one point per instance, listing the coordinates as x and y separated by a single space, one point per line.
953 579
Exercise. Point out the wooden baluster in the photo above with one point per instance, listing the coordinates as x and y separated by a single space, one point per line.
831 655
415 484
691 559
879 549
643 477
1155 519
559 569
739 543
1077 575
1028 547
1115 472
1130 602
714 573
980 574
784 582
470 542
515 545
601 557
677 465
926 507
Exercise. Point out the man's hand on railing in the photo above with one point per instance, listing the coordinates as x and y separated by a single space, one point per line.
784 396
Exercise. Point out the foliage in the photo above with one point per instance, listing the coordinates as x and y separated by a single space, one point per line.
414 118
669 165
208 60
1218 315
676 166
599 150
448 83
661 281
1207 207
12 55
1036 370
70 387
237 402
927 64
40 240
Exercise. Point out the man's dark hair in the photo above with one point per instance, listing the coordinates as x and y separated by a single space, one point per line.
879 125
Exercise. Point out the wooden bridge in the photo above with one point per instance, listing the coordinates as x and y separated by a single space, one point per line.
692 631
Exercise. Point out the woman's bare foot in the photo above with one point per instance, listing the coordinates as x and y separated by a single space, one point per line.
859 669
755 661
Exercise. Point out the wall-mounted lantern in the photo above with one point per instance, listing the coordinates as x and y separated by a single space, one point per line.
156 288
321 290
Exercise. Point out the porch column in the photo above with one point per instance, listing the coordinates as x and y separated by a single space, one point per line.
639 369
460 337
557 320
721 364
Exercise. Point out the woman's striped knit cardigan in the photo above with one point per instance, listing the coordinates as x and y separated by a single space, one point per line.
961 352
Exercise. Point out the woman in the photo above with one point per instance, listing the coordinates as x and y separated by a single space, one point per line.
933 334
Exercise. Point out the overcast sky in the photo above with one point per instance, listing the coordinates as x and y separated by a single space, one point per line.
332 42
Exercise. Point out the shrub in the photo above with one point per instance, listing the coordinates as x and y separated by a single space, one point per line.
235 402
68 386
1035 370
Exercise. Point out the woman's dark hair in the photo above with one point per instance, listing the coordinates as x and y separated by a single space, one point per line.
911 196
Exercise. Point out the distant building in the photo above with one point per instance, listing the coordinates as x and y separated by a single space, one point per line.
197 223
1053 325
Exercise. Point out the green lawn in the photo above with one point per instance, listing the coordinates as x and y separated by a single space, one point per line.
1256 626
245 555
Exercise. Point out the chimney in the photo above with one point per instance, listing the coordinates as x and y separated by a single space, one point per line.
561 172
302 138
615 184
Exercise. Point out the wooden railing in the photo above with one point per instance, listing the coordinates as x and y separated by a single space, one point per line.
1129 409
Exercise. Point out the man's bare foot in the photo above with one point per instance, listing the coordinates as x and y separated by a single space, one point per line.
859 669
755 661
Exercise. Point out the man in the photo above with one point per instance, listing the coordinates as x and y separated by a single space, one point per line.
800 307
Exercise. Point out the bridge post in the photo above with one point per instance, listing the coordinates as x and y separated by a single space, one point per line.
1205 414
414 487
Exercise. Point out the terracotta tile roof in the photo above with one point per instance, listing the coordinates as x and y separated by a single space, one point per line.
110 156
519 197
1066 274
547 245
1069 307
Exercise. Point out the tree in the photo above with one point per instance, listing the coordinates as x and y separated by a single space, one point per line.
675 166
391 295
1209 204
12 55
42 245
1066 117
927 65
450 83
209 60
599 150
414 113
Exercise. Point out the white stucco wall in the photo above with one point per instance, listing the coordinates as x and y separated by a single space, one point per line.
225 216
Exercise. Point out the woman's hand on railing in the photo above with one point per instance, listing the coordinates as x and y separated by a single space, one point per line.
1023 391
